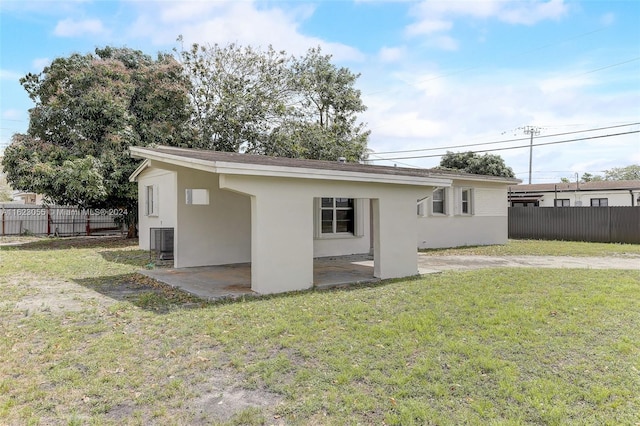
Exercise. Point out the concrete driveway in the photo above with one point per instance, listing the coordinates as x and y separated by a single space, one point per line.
429 263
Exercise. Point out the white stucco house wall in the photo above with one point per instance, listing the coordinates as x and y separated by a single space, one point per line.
581 194
25 197
473 211
279 214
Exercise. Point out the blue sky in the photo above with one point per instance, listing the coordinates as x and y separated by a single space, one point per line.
433 73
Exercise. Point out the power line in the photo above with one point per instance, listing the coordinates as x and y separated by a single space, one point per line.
506 141
561 171
514 147
401 163
608 66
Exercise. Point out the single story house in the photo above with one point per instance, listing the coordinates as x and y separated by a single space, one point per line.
279 213
26 197
576 194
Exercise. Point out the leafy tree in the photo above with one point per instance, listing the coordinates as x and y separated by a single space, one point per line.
470 162
88 110
238 94
323 124
5 189
631 172
265 102
588 177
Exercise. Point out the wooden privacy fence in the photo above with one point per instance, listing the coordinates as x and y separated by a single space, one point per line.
595 224
19 219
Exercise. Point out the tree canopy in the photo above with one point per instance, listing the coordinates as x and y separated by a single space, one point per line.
5 189
588 177
631 172
88 110
470 162
265 102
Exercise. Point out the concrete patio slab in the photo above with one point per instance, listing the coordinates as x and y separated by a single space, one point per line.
207 282
233 281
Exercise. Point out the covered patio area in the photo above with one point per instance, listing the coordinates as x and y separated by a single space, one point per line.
233 281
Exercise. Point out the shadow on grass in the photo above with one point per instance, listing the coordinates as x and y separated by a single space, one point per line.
143 292
447 249
139 258
154 296
340 288
64 243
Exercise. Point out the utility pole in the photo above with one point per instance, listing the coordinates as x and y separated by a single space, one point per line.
532 130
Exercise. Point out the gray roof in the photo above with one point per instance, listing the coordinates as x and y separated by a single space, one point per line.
264 160
582 186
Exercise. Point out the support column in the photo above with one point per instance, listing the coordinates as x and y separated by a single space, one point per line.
394 226
281 242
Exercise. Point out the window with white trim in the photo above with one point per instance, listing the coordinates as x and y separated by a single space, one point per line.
463 201
439 198
466 201
337 216
151 200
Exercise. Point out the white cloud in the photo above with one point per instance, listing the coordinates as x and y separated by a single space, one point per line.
607 19
392 54
72 28
516 12
186 11
556 84
241 22
529 13
443 42
437 16
39 63
428 26
410 125
10 75
12 114
428 110
474 8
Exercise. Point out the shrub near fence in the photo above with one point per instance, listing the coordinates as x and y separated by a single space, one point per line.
20 219
594 224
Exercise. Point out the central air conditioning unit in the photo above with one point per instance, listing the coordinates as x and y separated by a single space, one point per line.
161 243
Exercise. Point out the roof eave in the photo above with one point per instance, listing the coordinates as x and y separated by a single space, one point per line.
138 170
250 169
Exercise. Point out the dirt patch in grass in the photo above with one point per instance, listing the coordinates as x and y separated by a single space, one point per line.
55 243
222 398
55 296
60 296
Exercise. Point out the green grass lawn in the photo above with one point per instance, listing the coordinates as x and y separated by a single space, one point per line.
502 346
543 248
